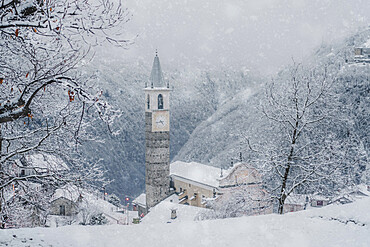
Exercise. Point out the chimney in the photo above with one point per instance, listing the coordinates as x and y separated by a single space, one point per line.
173 214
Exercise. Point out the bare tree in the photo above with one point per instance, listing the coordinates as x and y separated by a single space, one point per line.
44 95
301 151
238 201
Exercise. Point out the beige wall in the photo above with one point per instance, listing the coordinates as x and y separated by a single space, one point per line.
241 175
190 189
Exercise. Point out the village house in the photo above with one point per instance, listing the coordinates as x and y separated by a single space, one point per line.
64 202
319 201
362 55
350 195
194 182
296 202
139 205
39 164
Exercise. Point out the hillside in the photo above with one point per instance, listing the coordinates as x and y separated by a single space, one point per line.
223 135
335 225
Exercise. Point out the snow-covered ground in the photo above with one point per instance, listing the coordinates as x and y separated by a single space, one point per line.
335 225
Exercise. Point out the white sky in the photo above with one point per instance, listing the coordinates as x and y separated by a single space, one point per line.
257 34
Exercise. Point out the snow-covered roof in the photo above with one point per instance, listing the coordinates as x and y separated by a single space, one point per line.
140 200
296 199
367 44
161 213
95 203
194 171
352 193
69 192
45 161
244 172
319 197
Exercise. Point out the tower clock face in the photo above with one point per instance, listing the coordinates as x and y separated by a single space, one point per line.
160 121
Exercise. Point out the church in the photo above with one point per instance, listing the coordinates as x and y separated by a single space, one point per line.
185 183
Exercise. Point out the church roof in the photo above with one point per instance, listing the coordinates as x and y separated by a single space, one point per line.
197 172
156 77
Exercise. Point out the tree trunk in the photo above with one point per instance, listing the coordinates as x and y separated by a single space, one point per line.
2 224
283 194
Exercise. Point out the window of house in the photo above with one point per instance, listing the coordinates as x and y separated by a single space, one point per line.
160 101
62 210
320 203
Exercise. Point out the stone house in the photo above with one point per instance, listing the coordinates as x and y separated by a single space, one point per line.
65 201
63 207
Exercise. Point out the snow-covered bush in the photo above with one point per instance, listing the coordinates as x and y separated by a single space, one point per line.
114 200
98 219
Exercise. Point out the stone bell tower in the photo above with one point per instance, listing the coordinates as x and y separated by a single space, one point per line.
157 137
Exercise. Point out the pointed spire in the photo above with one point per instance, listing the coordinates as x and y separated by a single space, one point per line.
156 77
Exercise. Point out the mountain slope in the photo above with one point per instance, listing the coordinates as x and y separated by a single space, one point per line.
223 135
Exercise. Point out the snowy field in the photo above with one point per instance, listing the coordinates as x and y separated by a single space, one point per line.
336 225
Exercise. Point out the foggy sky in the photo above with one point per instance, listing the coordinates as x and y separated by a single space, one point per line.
260 35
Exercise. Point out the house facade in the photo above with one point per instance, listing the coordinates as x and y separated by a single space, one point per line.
139 205
362 55
194 183
319 201
191 192
63 207
296 202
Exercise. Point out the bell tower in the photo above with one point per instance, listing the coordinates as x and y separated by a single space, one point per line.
157 136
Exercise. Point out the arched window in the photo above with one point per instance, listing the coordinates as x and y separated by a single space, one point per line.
148 101
160 101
